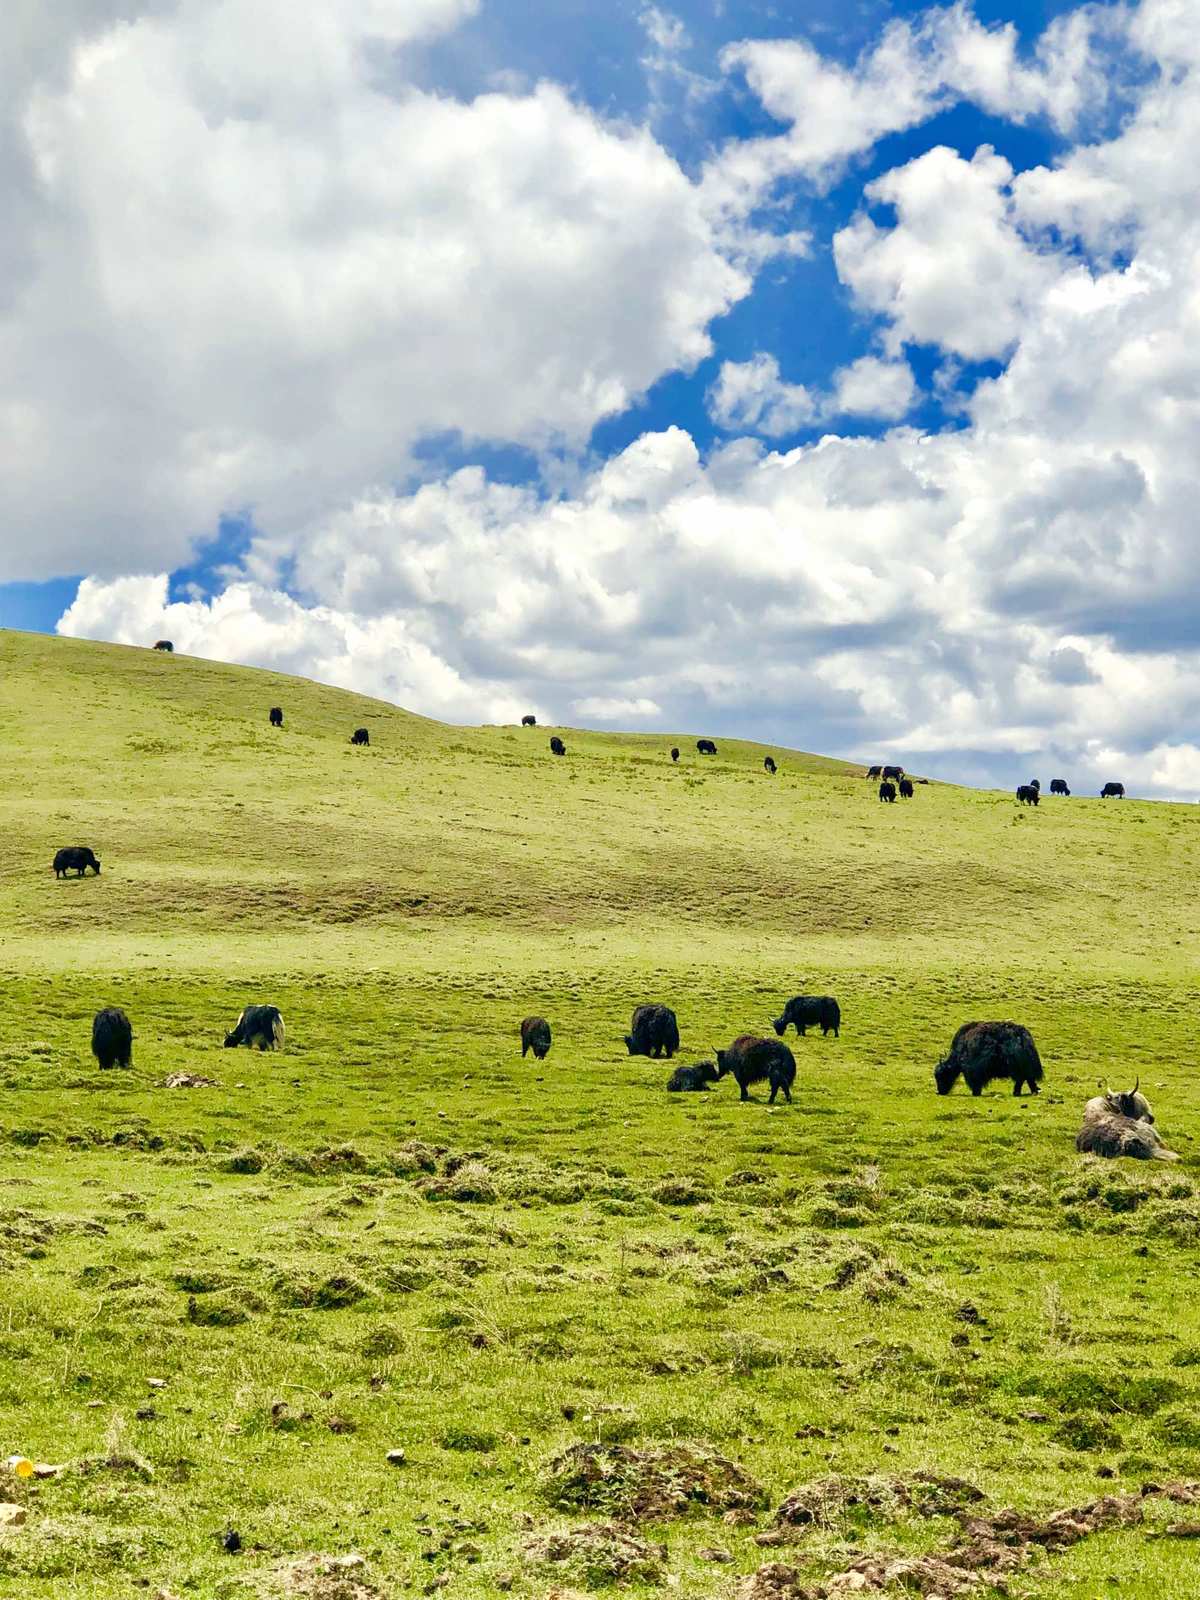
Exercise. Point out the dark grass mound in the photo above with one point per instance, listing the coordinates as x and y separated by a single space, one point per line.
652 1484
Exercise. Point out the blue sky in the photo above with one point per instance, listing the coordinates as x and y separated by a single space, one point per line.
344 402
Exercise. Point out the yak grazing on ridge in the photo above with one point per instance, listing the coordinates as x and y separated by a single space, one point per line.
258 1027
751 1060
653 1032
535 1036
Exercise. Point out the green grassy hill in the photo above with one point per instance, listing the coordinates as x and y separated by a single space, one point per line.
399 1235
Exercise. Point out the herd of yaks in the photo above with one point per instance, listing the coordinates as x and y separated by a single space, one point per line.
1114 1123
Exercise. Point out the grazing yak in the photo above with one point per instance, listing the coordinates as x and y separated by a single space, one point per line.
769 765
906 789
810 1011
164 644
557 747
1116 1124
893 772
1059 786
1027 795
698 1076
535 1036
259 1028
674 752
1113 791
706 747
985 1051
653 1032
754 1060
77 857
276 716
112 1038
874 772
887 791
1036 783
529 722
360 736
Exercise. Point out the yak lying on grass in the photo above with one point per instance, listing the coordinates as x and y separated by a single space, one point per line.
981 1052
112 1038
259 1027
1116 1124
653 1032
810 1011
535 1036
754 1060
698 1076
75 858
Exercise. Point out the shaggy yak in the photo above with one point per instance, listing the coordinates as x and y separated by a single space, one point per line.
810 1011
535 1036
1121 1125
557 747
164 644
675 752
259 1027
893 772
1113 791
874 772
706 747
887 791
697 1076
529 722
906 789
75 857
769 764
653 1032
360 736
755 1060
984 1051
1036 783
1059 786
1027 795
112 1038
276 716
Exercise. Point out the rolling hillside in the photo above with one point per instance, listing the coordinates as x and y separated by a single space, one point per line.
397 1235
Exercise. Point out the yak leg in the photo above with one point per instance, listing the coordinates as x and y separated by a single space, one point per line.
745 1094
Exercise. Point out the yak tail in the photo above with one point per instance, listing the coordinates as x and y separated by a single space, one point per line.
277 1033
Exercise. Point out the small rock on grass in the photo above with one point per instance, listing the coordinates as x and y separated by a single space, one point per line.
396 1458
11 1516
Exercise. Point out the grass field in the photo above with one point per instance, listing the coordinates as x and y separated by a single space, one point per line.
397 1235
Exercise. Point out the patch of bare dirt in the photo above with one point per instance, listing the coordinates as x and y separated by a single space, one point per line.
190 1080
318 1577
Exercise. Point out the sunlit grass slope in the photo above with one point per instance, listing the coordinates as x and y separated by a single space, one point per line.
616 1264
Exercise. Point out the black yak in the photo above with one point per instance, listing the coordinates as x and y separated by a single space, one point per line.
984 1051
276 716
529 722
906 789
360 736
674 752
810 1011
258 1027
887 791
893 772
1036 783
77 857
164 644
706 747
653 1032
112 1038
1113 791
1027 795
753 1060
535 1036
698 1076
557 747
1121 1124
874 772
1059 786
769 765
